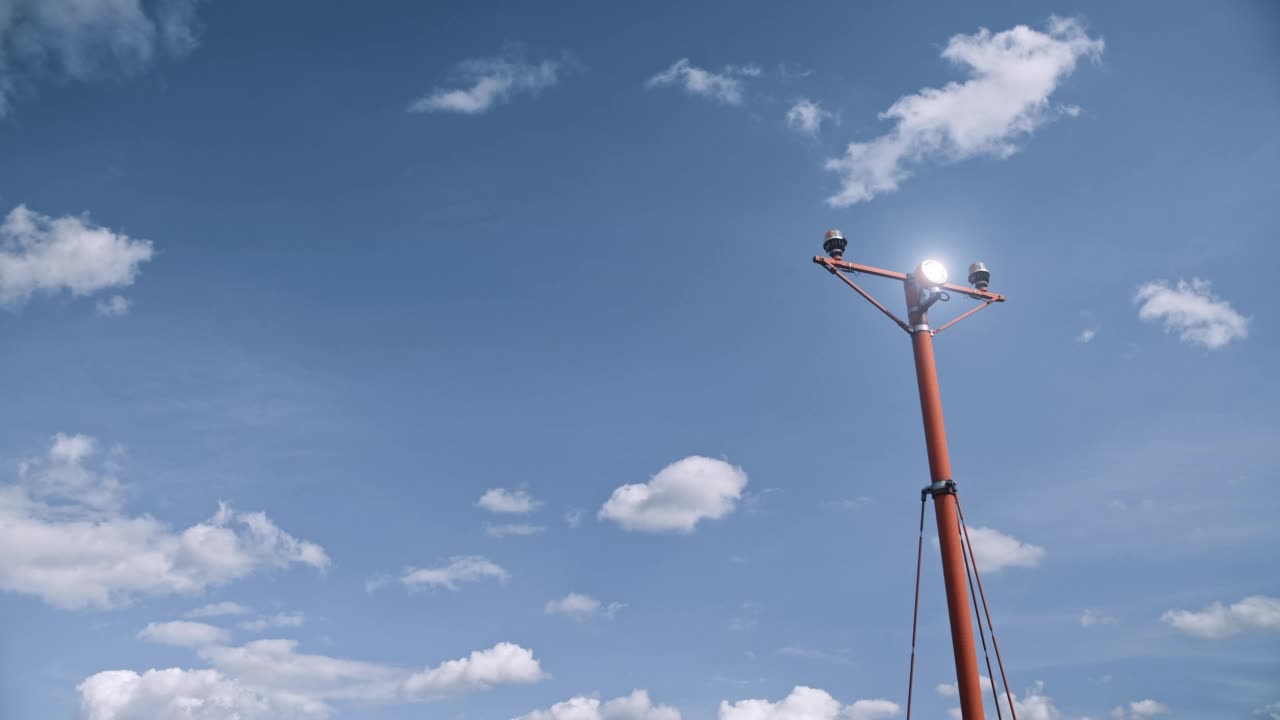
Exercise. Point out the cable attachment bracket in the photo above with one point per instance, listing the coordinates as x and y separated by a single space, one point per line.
945 487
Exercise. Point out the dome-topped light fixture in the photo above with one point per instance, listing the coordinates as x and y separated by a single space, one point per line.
834 243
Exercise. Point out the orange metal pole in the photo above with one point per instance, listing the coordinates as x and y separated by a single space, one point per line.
953 567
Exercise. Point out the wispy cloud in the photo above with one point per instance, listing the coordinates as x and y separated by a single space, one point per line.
1086 336
1013 74
582 607
806 117
513 529
42 254
1092 617
725 86
83 40
463 569
488 82
289 619
1192 311
219 609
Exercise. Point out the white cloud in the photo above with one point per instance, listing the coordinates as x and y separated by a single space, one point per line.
269 679
1012 75
805 703
1140 709
513 529
725 86
1191 310
1270 712
195 694
114 306
1086 335
291 619
184 633
501 500
83 40
807 116
69 542
953 689
683 493
1092 617
581 607
1033 705
1217 621
636 706
490 81
994 551
469 568
39 253
219 609
502 664
872 710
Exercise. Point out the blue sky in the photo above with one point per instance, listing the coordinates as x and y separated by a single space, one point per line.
467 361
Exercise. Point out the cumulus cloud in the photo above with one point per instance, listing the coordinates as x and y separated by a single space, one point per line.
1192 311
582 607
178 693
219 609
468 568
501 500
994 551
41 254
636 706
83 40
184 633
725 86
806 116
270 679
1254 613
489 82
1140 709
678 497
805 703
69 542
1033 705
1012 76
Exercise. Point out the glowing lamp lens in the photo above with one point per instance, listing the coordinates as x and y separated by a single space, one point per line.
933 272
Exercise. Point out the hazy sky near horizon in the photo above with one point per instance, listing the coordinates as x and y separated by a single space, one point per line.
460 360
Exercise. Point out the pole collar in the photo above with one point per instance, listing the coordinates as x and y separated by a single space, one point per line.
945 487
920 327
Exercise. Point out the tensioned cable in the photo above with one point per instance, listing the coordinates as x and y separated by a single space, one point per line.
915 612
987 610
982 634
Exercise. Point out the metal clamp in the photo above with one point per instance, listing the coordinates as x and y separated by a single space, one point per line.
946 487
921 327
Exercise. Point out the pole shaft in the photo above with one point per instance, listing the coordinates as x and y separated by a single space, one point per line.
953 567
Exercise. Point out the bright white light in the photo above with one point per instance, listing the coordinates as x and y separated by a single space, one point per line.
933 272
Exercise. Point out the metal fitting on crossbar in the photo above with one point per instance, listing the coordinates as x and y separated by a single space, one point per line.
946 487
922 327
